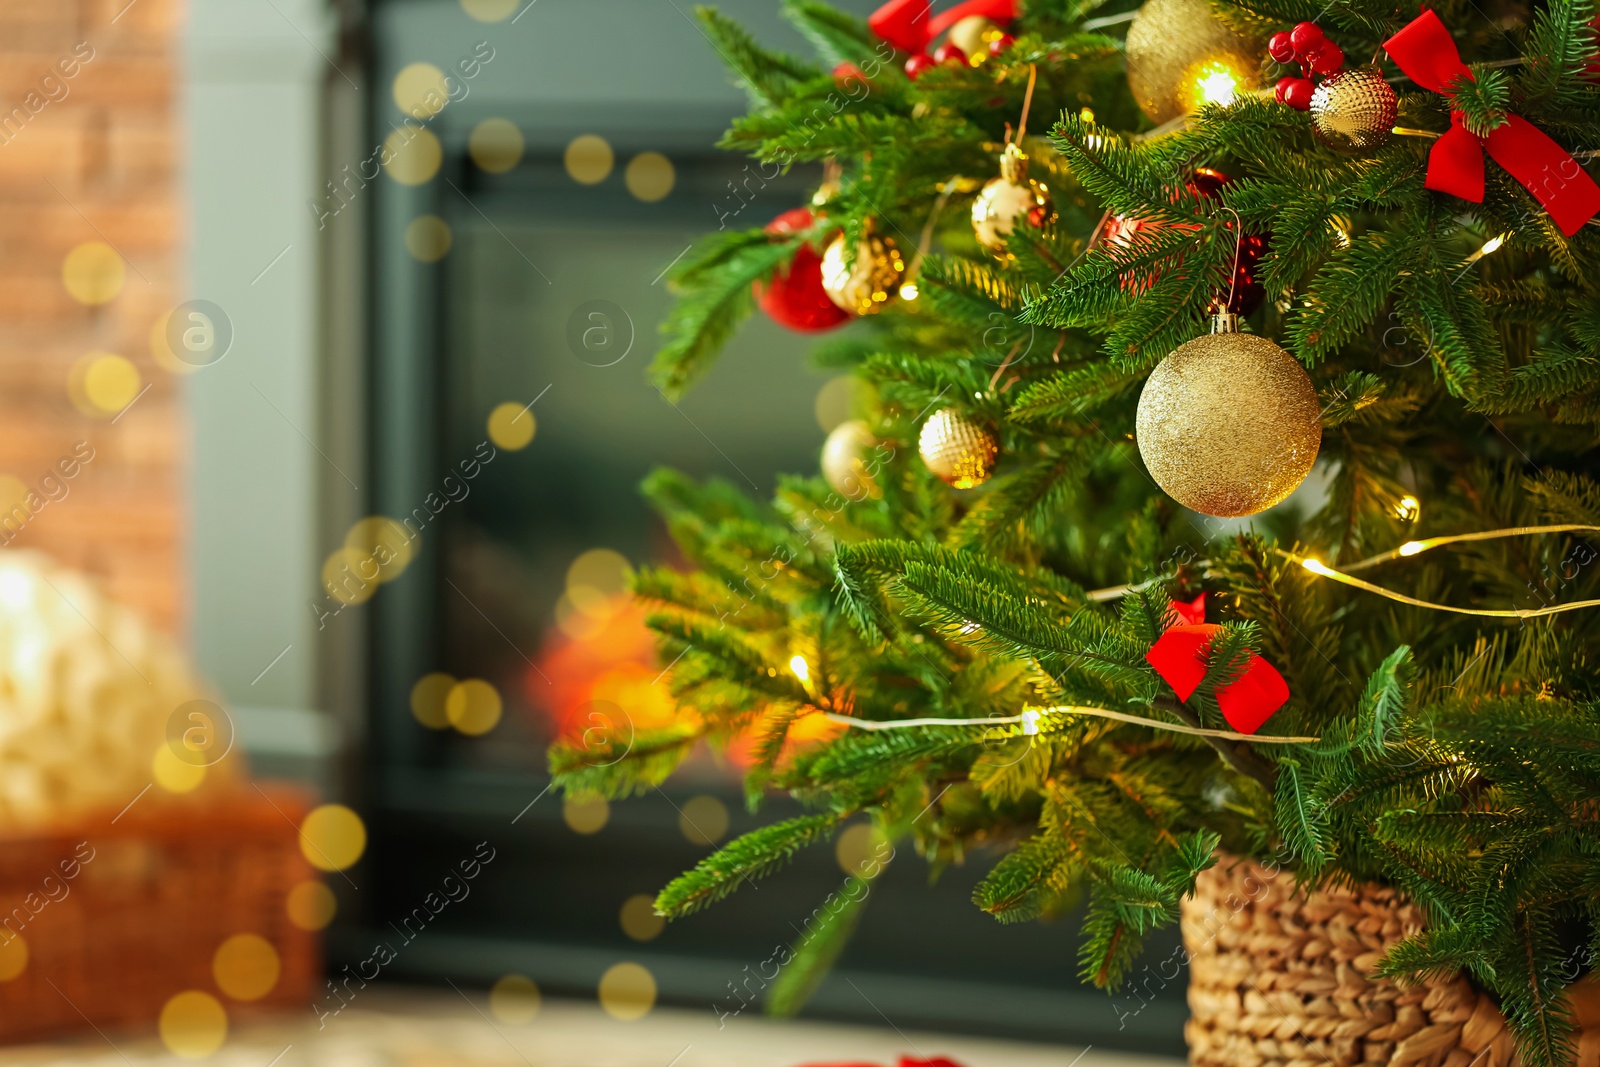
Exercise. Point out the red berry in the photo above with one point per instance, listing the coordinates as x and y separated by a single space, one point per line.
1306 38
1281 48
1282 88
918 63
1327 59
1297 94
949 53
1001 43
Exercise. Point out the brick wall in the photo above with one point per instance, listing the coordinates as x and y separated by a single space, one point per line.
93 157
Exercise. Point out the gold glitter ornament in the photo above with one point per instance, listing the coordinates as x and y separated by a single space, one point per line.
1355 109
1007 199
1180 56
865 286
844 460
1229 424
956 449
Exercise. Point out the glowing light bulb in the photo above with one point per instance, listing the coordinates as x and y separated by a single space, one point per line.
1087 114
1216 84
909 291
1492 244
1030 722
1316 566
1408 508
1411 548
801 669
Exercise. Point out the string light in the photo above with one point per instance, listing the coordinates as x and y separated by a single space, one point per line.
1031 716
801 669
1316 566
909 291
1408 508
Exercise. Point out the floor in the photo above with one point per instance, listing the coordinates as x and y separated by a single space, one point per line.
439 1030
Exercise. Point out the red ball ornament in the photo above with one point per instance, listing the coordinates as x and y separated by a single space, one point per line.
1297 94
1280 47
1306 38
1242 294
951 54
917 63
1000 44
795 297
1327 59
847 72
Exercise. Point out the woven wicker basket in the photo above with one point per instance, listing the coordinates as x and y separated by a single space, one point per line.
148 900
1279 980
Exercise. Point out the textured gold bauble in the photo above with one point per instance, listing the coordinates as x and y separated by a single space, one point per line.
1355 109
956 449
1011 198
865 286
845 457
973 34
1180 56
1229 424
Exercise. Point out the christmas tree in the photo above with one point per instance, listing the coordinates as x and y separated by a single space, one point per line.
1118 292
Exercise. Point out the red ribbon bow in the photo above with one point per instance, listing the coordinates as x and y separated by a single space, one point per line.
906 25
1179 656
1425 51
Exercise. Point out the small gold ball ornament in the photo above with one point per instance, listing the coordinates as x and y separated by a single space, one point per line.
1180 55
845 458
1011 197
1229 423
973 34
956 449
865 286
1355 109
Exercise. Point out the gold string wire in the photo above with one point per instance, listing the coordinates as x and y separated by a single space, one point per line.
1032 715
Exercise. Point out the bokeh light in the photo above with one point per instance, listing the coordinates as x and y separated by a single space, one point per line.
428 698
173 774
473 707
586 815
420 90
597 581
514 999
414 155
649 176
311 905
512 426
428 238
639 919
13 955
332 837
627 991
840 399
193 1025
161 349
490 10
246 967
103 384
13 494
385 542
496 145
94 273
350 576
857 847
703 820
589 159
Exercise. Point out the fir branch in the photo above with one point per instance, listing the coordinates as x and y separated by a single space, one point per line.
754 855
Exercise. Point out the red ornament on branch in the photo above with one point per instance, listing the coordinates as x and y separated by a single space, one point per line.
794 297
1243 294
910 27
1427 54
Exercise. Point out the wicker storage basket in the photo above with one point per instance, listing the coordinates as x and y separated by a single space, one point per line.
1280 980
142 916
